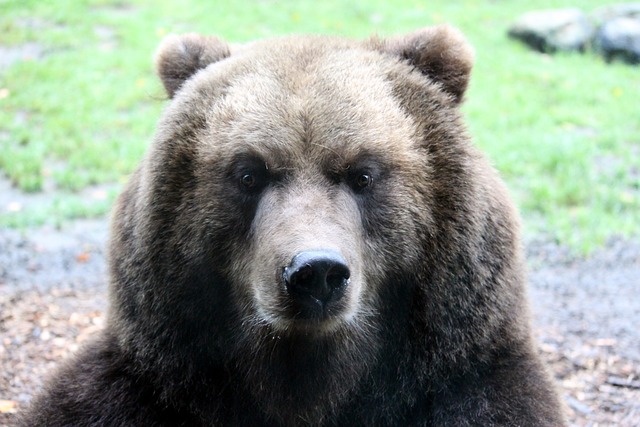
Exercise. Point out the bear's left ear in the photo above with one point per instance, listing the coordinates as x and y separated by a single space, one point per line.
442 53
179 57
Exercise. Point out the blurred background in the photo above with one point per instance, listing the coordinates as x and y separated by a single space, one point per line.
78 105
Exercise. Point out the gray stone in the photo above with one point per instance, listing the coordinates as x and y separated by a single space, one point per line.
553 30
619 38
24 52
607 13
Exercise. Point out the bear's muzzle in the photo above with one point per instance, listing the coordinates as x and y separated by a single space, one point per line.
316 280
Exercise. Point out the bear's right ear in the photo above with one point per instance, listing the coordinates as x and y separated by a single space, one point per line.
441 53
179 57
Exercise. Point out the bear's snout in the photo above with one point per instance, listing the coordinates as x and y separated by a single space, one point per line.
315 280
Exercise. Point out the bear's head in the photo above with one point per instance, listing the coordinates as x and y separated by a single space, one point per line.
306 193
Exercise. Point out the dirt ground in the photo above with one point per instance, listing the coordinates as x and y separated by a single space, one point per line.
586 315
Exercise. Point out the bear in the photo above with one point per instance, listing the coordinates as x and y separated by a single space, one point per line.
311 239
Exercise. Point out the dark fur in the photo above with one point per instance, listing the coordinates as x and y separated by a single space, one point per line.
196 335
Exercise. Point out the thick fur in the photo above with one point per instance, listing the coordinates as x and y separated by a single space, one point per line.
434 326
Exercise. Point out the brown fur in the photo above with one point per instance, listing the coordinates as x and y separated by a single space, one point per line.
433 328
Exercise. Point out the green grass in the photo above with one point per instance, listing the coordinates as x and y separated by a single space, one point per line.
564 130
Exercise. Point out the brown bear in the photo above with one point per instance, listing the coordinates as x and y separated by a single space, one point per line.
311 239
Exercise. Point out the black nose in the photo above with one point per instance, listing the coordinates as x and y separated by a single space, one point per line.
318 276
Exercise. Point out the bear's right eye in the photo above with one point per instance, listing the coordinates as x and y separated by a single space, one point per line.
253 180
248 180
250 175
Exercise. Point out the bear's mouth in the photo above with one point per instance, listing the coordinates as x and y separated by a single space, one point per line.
310 309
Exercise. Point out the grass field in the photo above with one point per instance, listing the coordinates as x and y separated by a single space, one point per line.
564 130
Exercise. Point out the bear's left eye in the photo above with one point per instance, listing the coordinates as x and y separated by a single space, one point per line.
364 180
361 180
363 174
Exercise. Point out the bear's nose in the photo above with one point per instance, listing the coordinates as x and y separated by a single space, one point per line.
317 276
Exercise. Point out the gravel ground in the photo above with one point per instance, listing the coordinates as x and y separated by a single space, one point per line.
586 315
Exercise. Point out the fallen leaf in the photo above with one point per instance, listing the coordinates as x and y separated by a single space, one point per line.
605 342
14 207
8 406
83 257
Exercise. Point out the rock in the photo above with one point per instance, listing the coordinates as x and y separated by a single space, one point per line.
553 30
607 13
619 38
24 52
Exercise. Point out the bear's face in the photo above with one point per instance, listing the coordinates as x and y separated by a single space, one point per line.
307 175
304 158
